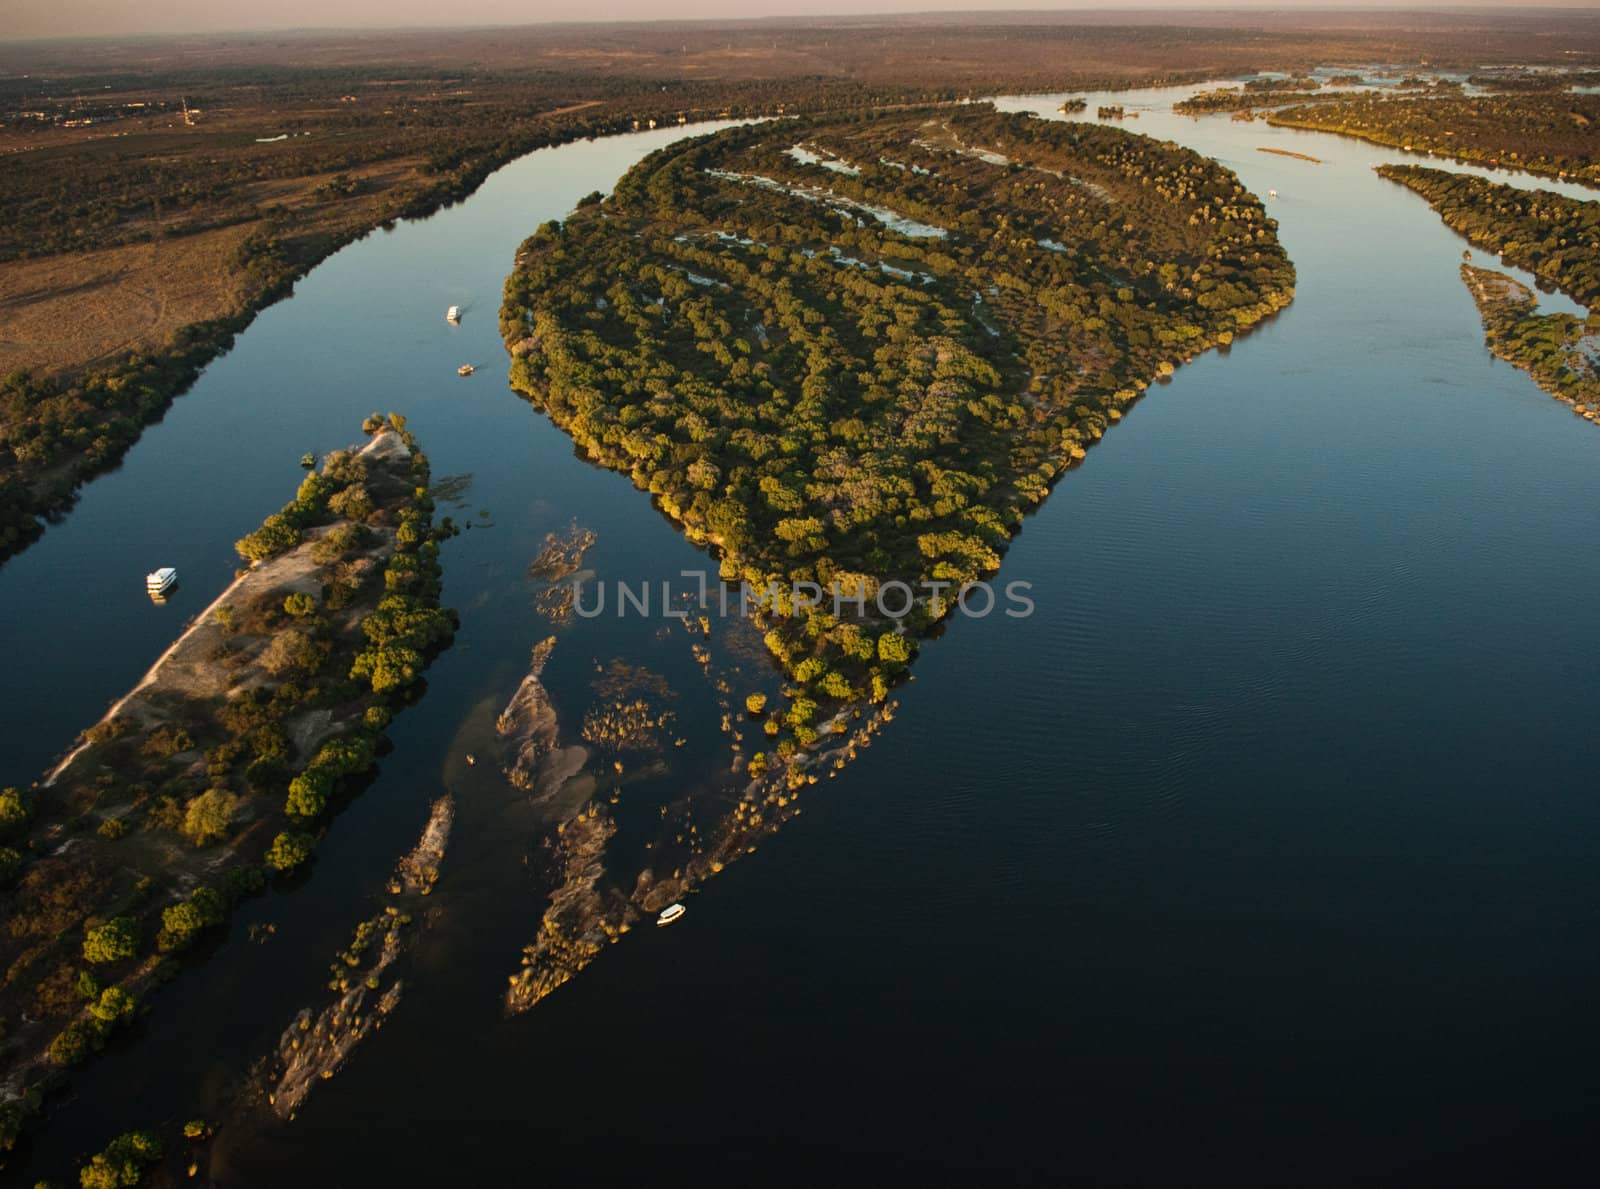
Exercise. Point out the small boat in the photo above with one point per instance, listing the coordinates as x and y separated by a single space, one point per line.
465 369
1272 193
453 314
670 913
159 582
471 759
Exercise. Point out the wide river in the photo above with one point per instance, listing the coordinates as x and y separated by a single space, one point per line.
1262 849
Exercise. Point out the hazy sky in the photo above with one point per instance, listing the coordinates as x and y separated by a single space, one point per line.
91 18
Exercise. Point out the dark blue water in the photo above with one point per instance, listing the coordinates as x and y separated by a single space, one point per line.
1263 852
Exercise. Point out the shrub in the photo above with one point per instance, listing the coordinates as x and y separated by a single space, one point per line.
337 542
167 740
10 863
241 882
293 650
107 730
12 1115
164 814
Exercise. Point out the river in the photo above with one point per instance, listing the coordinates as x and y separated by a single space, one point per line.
1261 849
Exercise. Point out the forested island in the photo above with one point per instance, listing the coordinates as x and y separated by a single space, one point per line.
1552 236
856 351
1249 98
1539 132
221 768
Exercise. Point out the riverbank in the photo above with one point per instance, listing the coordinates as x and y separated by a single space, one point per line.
95 415
220 768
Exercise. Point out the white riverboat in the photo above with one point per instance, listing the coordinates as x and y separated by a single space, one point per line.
453 314
670 913
159 582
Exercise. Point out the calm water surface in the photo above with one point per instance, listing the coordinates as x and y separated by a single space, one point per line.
1262 850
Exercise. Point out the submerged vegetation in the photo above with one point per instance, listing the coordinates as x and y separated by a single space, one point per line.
853 352
219 769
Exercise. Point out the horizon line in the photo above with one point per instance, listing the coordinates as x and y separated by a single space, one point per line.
1244 8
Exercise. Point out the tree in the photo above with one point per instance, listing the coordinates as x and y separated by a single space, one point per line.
893 648
299 604
836 685
114 941
181 922
308 793
122 1164
16 808
353 502
73 1043
388 667
347 755
276 535
114 1006
289 850
755 703
206 818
